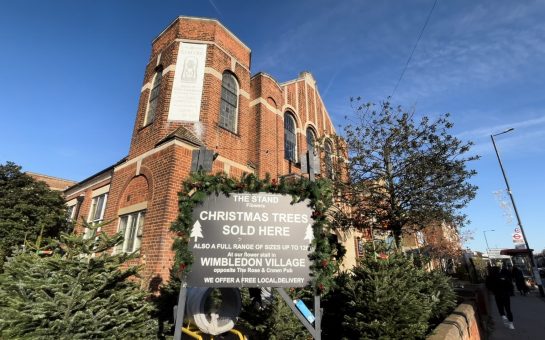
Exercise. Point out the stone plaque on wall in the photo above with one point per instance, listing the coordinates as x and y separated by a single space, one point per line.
185 102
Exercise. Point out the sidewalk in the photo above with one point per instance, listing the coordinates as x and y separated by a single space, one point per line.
528 318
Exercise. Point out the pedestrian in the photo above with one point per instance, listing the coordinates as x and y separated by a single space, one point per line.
520 281
500 284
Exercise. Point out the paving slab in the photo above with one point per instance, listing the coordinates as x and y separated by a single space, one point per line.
528 318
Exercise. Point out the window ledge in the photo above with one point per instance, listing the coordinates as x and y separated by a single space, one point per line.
230 131
145 126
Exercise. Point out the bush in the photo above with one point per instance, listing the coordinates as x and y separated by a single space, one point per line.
386 296
270 319
442 294
336 306
78 292
29 210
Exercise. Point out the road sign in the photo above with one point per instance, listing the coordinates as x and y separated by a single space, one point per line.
251 240
518 238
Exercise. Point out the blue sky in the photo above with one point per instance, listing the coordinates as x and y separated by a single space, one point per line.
72 73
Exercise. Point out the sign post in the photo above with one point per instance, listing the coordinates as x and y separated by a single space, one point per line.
252 240
180 309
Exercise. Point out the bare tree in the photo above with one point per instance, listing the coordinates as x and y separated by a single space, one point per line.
403 174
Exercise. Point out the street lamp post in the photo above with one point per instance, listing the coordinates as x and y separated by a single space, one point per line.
537 278
487 247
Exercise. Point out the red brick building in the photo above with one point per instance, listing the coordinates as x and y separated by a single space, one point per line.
54 183
198 91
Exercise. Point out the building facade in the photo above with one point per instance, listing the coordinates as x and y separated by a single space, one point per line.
198 93
54 183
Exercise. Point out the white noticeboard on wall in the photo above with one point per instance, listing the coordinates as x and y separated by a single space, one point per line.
185 102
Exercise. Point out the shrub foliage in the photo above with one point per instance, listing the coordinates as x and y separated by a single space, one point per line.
386 296
78 292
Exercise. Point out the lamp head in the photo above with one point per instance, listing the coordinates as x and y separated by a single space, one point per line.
501 133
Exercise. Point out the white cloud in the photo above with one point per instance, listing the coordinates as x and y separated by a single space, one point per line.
489 130
528 137
215 7
476 46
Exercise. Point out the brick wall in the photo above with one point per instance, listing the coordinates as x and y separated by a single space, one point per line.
54 183
462 324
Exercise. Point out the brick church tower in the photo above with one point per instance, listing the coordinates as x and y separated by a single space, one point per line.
198 93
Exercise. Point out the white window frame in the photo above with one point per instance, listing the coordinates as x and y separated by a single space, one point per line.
154 97
71 211
131 227
420 238
95 218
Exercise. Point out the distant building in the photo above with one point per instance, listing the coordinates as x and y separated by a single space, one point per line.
439 241
54 183
198 93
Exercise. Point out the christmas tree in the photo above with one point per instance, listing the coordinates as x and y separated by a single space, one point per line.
196 231
384 297
309 234
269 319
80 291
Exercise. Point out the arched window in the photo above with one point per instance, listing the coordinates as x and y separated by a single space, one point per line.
290 140
154 96
229 102
311 141
328 159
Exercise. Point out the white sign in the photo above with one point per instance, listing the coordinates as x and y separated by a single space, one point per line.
518 238
185 102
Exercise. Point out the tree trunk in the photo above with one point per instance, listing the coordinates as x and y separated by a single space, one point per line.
398 236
